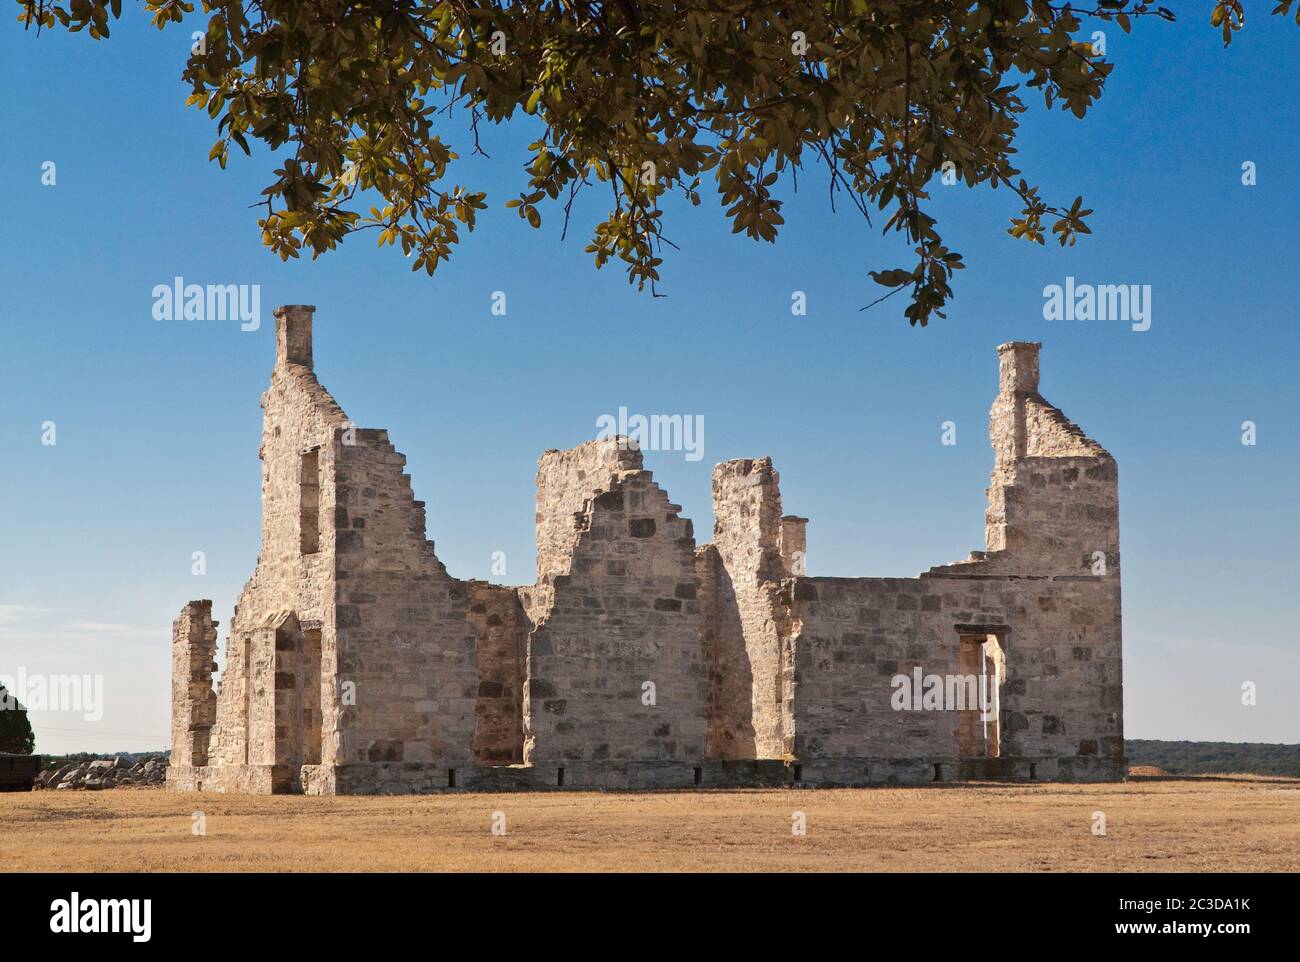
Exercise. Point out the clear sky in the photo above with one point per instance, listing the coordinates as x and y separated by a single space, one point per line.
158 422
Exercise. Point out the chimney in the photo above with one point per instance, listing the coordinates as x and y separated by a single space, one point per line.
293 334
794 545
1018 367
1008 427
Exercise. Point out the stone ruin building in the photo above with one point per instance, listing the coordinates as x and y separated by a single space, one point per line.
640 659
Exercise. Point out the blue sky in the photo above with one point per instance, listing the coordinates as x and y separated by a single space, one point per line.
158 422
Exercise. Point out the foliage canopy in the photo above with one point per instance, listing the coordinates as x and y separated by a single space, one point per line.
16 737
643 99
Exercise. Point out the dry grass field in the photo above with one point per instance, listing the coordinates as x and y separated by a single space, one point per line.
1221 823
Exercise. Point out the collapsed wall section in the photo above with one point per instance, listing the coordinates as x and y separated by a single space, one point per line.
615 664
1057 515
406 650
502 626
194 703
750 662
566 482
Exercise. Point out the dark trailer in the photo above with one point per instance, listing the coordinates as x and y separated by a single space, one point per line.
18 772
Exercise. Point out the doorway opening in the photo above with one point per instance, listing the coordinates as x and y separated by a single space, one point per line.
981 665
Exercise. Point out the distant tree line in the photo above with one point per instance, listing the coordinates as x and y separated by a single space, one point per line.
1205 758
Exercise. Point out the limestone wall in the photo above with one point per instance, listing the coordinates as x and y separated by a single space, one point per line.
1060 700
1056 516
1047 583
194 704
1053 499
566 481
730 712
302 428
750 663
502 626
356 663
404 640
350 643
616 664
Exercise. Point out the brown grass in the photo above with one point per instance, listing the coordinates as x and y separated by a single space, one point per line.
1222 823
1147 770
